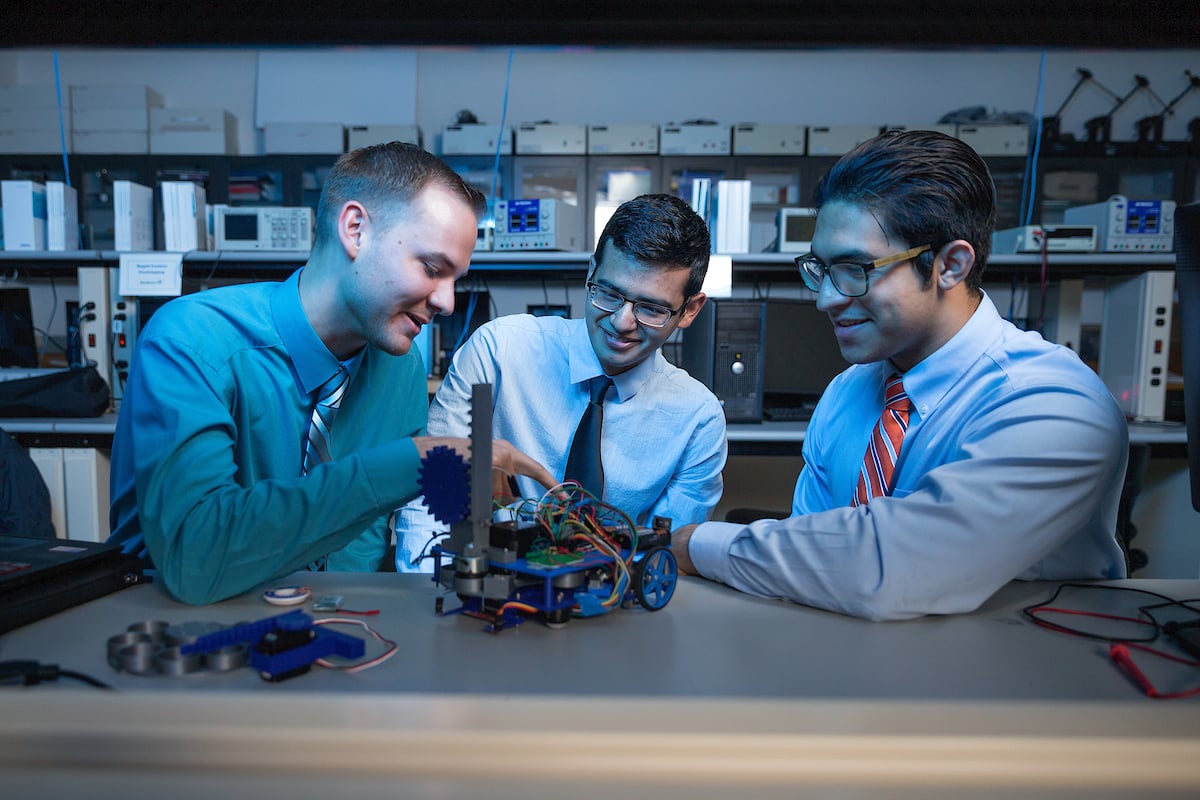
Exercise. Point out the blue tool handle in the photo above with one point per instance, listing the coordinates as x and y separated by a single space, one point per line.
248 632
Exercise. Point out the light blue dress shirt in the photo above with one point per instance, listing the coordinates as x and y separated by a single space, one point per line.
1012 468
663 442
207 456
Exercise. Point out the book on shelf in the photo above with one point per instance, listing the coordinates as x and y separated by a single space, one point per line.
133 216
733 216
253 188
185 219
62 216
700 196
24 206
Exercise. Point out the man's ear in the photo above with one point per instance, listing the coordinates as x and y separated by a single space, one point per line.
352 222
691 309
953 263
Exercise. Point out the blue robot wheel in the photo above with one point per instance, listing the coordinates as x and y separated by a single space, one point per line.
654 578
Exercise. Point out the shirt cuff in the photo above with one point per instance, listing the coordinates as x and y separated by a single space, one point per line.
393 470
709 549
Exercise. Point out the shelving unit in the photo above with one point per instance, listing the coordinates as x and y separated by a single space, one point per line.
295 180
273 180
747 266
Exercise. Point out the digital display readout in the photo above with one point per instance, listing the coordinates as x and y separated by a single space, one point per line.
241 227
523 216
1142 216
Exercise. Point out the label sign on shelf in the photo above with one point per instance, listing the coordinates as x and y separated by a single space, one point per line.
151 274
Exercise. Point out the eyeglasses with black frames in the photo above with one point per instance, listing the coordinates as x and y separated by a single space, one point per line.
849 278
652 315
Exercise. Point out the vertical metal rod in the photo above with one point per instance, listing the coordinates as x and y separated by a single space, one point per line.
481 464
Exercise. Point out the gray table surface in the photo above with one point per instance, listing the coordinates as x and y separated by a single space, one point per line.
717 695
709 641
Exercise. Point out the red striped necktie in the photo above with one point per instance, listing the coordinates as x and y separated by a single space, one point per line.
875 477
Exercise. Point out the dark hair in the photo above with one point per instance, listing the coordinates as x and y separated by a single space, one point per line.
663 231
923 187
385 178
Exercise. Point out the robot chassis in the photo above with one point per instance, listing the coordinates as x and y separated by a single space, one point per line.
503 572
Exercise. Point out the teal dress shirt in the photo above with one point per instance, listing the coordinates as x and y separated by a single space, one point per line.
208 452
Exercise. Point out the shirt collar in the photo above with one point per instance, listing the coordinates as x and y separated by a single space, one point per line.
584 365
312 359
931 380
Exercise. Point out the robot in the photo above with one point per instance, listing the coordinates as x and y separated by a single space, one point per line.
565 555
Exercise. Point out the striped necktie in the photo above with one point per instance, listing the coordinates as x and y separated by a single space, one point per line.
583 460
883 451
329 398
316 449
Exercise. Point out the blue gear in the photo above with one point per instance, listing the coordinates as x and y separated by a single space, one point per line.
445 479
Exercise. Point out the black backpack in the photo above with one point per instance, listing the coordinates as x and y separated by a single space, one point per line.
76 392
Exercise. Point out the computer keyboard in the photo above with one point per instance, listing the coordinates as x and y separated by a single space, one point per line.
789 413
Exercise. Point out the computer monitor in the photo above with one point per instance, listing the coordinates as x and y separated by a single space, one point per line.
17 344
795 227
767 359
800 354
1187 285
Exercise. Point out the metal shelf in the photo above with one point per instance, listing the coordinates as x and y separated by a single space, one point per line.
774 266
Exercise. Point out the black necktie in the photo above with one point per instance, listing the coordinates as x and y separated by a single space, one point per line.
583 462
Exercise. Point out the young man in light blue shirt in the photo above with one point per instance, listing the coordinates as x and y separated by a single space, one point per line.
663 442
1015 452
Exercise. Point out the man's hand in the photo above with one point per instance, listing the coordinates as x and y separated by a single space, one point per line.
679 548
507 461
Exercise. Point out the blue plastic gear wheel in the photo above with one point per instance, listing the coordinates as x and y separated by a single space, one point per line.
445 479
654 578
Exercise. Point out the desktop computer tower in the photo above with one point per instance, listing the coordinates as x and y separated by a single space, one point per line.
85 478
77 481
763 359
1135 340
723 349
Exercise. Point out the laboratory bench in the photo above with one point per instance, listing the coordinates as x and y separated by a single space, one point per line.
717 694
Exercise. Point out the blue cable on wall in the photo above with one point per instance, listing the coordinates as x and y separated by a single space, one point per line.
500 137
1031 161
62 128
